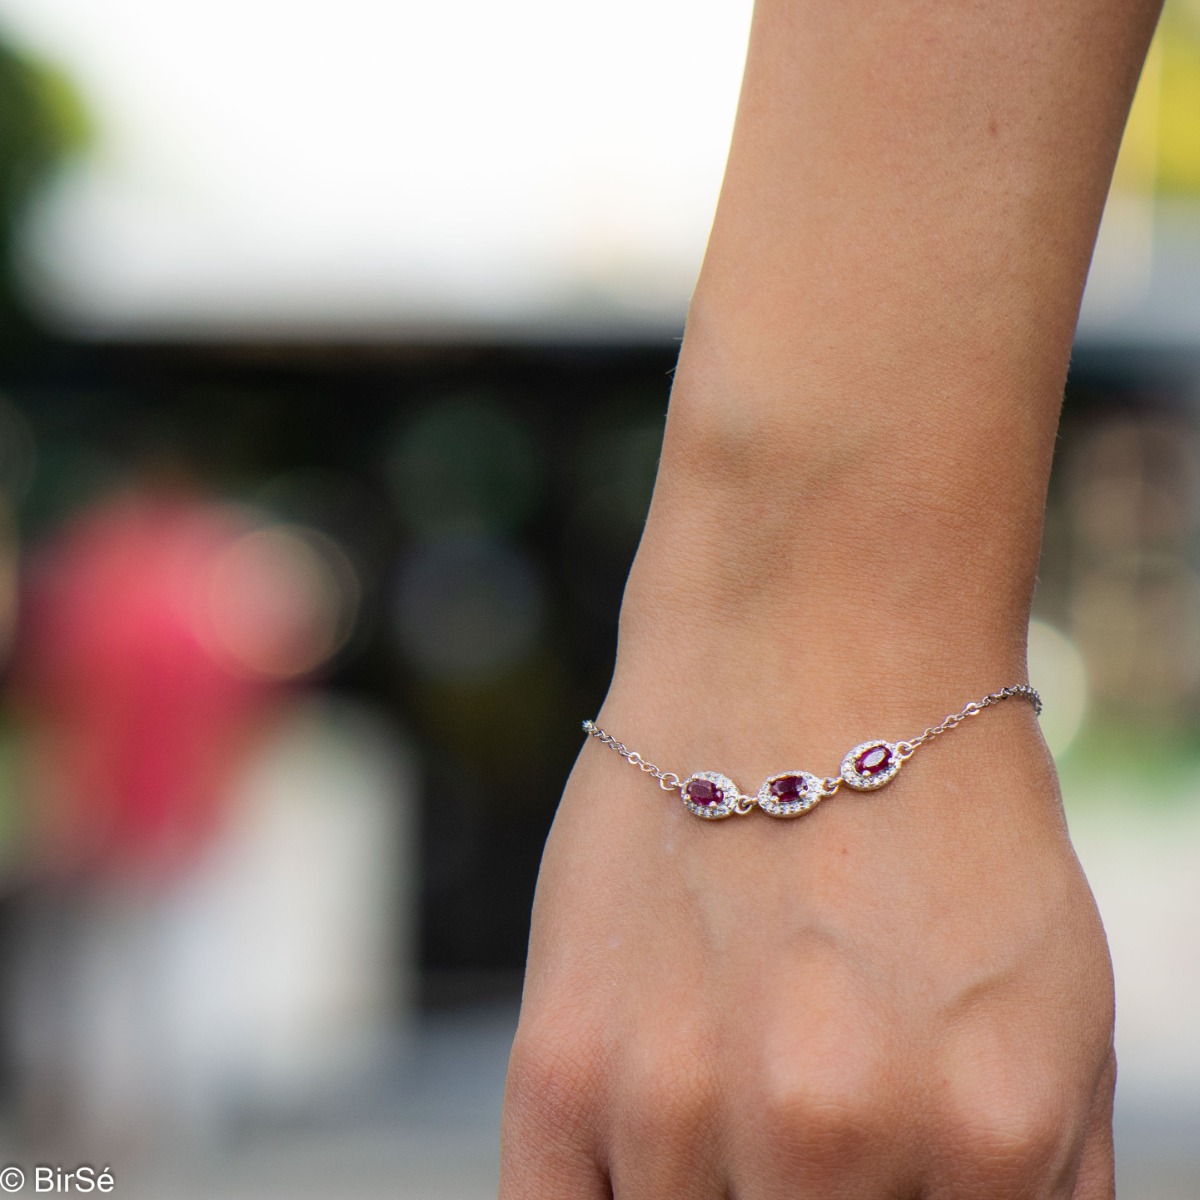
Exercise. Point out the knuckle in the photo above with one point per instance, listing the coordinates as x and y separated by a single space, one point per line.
1011 1130
552 1077
668 1097
828 1118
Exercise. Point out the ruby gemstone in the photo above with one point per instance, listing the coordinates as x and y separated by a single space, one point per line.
704 792
787 789
874 761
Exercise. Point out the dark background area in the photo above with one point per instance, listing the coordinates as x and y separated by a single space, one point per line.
545 452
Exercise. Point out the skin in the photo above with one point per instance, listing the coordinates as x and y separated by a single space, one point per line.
904 993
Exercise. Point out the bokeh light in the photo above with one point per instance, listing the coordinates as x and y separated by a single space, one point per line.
1058 672
467 608
280 602
464 466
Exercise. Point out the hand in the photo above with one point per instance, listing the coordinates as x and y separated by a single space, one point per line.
903 994
900 994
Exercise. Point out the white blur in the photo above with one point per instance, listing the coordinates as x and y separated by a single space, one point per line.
1061 674
263 165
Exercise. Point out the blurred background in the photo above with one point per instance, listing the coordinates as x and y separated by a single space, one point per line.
334 357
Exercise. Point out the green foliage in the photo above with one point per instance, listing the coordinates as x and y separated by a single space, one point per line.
1154 764
1178 152
42 121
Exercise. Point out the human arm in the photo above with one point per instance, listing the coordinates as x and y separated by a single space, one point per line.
897 994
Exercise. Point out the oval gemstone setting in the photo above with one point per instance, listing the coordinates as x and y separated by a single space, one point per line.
874 761
871 765
710 795
789 794
704 792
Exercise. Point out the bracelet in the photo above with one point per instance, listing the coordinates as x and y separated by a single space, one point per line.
870 765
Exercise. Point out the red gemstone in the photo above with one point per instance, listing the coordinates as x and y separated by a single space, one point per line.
704 792
787 789
874 761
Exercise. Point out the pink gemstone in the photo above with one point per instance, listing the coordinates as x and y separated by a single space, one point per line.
787 789
874 761
704 792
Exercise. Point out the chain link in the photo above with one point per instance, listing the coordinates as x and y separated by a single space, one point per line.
972 710
669 781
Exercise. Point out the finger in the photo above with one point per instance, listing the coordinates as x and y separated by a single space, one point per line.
548 1147
816 1142
1003 1126
640 1171
821 1117
551 1176
1096 1179
665 1133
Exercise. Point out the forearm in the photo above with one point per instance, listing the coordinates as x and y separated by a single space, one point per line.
909 210
864 413
904 993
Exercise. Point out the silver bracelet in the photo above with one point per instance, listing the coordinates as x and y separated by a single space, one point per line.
870 765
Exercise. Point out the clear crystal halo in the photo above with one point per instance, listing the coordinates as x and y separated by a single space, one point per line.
798 794
866 768
727 789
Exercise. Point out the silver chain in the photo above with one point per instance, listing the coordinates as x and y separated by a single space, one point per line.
669 781
973 710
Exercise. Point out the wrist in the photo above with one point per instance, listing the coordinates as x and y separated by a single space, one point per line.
721 709
786 617
778 535
799 466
